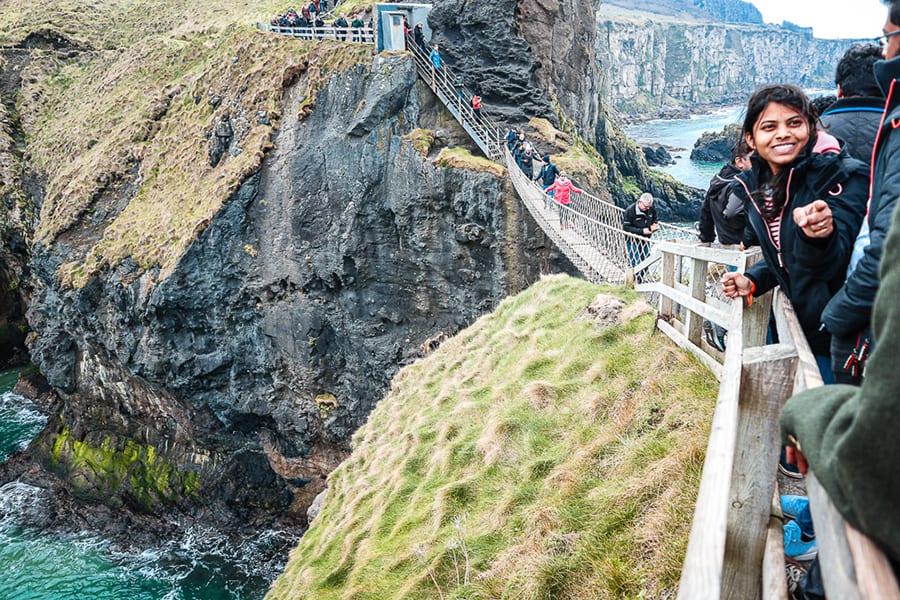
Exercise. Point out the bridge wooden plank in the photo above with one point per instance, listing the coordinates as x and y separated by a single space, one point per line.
774 584
698 292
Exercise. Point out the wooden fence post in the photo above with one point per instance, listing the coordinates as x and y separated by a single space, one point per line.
767 378
667 278
694 324
756 318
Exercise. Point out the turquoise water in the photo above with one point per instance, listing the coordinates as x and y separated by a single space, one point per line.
202 565
683 133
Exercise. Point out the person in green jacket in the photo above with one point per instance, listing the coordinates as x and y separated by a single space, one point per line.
848 435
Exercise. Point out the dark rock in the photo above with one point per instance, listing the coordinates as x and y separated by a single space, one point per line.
716 146
657 156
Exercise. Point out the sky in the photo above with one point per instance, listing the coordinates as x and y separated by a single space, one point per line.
828 18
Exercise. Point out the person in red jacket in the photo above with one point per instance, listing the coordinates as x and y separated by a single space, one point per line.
561 189
476 104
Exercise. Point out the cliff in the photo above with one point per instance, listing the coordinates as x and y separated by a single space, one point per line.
242 237
722 11
653 62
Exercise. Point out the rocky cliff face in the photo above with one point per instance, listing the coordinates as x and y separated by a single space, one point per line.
540 59
237 380
653 63
17 216
220 362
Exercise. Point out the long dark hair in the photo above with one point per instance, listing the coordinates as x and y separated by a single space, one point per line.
789 95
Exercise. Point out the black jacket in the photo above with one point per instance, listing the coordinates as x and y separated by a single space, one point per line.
547 174
635 222
713 219
855 122
808 281
526 163
851 308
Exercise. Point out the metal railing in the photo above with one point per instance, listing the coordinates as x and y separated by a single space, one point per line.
360 35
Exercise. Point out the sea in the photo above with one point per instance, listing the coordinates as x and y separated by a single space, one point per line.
682 134
201 565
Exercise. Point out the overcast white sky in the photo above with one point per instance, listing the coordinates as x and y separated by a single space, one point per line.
828 18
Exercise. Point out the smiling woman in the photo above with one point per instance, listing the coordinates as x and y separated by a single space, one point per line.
802 201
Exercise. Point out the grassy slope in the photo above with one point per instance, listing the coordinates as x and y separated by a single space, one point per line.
138 103
560 458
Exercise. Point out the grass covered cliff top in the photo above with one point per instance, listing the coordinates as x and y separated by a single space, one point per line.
118 106
537 454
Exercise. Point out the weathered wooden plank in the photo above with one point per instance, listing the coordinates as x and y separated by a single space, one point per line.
701 576
668 280
834 551
874 573
720 255
789 332
766 383
706 311
697 287
680 339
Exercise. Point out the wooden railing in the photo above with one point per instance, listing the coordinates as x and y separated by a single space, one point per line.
736 548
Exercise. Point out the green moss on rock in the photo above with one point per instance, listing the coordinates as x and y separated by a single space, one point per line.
110 473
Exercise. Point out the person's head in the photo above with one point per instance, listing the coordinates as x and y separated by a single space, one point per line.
563 175
822 103
740 155
645 201
779 123
854 75
891 43
435 46
418 26
546 158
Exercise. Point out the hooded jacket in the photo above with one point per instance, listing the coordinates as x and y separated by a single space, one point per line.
561 189
713 217
850 310
792 262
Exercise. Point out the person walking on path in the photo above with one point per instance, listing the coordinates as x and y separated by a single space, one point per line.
561 189
476 105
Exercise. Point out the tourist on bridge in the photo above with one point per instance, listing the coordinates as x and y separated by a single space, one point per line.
722 213
561 189
476 105
640 220
306 13
525 160
547 176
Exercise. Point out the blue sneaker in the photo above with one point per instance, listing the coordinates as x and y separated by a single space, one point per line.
794 546
791 506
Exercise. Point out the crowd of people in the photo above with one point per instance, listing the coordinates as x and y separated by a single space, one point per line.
310 22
